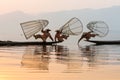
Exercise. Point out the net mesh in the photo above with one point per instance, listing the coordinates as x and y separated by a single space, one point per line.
31 27
72 27
98 27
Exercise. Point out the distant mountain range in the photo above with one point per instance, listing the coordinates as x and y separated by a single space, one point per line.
11 29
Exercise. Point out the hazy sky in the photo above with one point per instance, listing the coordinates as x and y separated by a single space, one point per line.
37 6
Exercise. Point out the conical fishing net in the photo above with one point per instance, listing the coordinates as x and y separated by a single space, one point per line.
98 27
31 27
72 27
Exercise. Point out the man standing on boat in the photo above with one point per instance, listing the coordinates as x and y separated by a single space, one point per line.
44 36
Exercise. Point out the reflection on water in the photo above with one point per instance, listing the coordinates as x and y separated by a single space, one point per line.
49 58
89 56
39 57
102 54
36 58
59 59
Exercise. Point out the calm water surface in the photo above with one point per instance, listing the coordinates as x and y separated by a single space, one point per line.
59 62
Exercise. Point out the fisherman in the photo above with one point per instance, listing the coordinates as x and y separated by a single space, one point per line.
87 35
44 36
59 36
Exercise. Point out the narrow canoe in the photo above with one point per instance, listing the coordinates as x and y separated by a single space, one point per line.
105 42
15 43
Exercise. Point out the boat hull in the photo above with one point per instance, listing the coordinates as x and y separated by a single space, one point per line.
14 43
105 42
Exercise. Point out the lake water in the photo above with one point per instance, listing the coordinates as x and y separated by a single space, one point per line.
60 62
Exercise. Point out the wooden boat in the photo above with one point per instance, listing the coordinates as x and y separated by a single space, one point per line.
105 42
15 43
